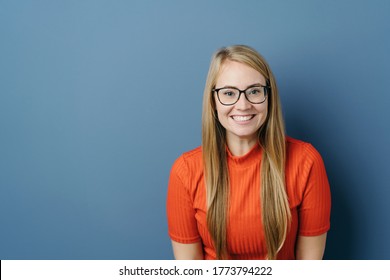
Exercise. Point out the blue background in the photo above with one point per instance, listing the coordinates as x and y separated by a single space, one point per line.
98 98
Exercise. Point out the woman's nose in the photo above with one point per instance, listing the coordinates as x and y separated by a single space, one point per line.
242 103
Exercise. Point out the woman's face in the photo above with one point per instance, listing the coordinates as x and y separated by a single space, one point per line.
243 119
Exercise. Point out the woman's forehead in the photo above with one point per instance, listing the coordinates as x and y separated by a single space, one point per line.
237 74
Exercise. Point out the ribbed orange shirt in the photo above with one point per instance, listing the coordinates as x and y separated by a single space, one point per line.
307 188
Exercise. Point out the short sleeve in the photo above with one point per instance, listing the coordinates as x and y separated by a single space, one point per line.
314 211
182 225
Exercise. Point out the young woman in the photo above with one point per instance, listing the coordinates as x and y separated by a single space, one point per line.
249 192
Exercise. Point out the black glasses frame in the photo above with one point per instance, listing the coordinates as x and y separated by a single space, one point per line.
267 90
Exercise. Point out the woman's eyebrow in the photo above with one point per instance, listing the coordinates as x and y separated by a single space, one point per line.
253 85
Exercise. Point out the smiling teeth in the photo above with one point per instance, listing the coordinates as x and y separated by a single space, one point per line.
242 118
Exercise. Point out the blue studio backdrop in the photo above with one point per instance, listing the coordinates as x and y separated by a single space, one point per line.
98 98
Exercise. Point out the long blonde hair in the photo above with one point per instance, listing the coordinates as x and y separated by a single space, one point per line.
271 136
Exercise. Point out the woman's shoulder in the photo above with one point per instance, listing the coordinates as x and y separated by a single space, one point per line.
194 154
189 160
300 149
296 142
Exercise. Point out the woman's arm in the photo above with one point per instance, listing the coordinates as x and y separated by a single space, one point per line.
191 251
310 247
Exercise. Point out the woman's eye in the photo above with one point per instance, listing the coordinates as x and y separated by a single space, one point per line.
254 91
229 93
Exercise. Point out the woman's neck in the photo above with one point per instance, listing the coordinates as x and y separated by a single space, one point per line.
240 146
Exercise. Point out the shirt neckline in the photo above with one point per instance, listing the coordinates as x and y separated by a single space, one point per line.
251 157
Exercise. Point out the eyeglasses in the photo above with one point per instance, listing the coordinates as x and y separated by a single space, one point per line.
255 94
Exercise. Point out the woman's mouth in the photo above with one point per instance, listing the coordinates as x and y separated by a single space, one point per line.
242 118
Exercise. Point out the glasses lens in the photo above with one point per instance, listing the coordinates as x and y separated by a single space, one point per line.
228 96
255 94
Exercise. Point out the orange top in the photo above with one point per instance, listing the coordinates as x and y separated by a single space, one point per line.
307 188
